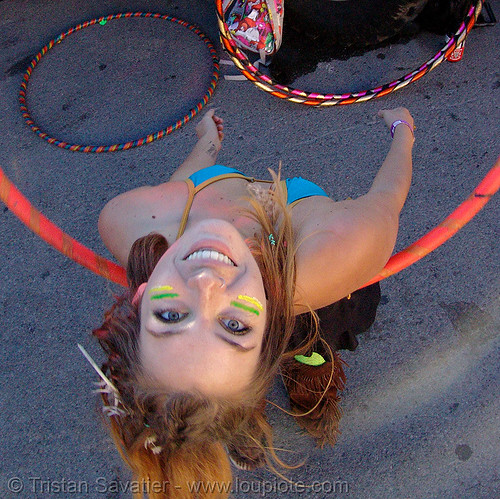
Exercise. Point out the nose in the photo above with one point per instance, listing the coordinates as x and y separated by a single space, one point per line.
206 280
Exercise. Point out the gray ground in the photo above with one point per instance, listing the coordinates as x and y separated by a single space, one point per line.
421 411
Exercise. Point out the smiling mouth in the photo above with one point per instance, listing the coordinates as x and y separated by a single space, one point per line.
210 254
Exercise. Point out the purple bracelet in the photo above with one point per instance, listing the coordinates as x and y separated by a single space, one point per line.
399 122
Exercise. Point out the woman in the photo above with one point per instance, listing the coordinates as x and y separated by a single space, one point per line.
219 264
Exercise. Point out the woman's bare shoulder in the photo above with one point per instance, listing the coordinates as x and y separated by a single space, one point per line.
341 246
136 213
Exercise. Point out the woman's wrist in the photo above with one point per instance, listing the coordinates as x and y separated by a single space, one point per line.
209 146
403 138
401 124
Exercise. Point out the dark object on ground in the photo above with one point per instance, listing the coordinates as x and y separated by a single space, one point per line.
444 16
321 30
341 321
351 23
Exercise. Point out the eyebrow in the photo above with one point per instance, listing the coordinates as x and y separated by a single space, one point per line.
234 344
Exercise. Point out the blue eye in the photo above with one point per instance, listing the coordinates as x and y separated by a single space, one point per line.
234 326
170 316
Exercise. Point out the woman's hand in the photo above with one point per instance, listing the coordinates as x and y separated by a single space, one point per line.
391 115
211 127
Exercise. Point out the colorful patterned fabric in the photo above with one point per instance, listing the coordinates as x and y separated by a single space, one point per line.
255 25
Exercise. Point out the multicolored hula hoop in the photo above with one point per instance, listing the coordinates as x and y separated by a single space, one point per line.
267 84
134 143
79 253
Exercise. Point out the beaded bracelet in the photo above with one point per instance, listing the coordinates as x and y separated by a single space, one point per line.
399 122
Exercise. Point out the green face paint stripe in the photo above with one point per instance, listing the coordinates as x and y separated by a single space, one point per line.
160 288
252 300
164 295
245 307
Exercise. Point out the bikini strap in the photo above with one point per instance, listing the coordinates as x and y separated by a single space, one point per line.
193 190
187 208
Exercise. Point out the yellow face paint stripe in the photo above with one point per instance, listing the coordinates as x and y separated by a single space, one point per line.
251 300
160 288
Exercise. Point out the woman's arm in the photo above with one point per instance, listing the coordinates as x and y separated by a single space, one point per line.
210 135
135 213
350 241
394 177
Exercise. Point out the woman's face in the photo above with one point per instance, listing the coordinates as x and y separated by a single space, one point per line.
203 313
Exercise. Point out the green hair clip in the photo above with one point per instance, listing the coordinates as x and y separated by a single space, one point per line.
315 359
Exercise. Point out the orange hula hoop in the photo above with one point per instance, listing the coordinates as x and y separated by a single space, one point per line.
463 214
70 247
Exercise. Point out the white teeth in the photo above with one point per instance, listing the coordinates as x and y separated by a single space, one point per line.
210 254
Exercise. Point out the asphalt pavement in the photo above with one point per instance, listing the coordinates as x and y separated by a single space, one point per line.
421 408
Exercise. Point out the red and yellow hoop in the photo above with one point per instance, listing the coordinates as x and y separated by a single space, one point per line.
132 143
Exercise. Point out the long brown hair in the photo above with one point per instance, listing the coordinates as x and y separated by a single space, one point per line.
175 441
